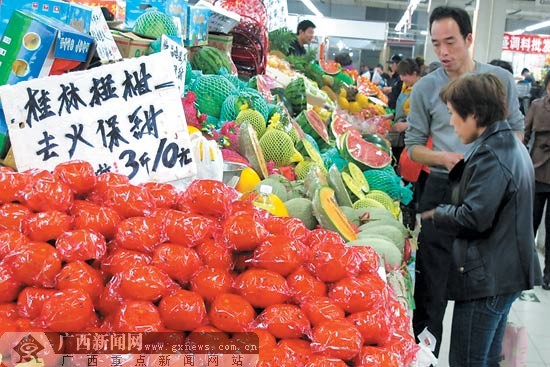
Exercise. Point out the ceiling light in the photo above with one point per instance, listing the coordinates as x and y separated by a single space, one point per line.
424 33
309 4
405 20
536 26
517 31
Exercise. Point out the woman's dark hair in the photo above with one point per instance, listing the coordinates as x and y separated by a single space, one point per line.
480 95
343 59
503 64
408 67
460 16
304 25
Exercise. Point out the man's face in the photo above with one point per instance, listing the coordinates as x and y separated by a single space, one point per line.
449 45
306 36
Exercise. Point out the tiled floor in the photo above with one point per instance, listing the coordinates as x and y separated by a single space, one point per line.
533 315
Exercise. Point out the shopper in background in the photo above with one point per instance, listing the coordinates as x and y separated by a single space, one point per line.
537 123
493 253
305 34
394 83
451 35
503 64
527 77
344 59
421 64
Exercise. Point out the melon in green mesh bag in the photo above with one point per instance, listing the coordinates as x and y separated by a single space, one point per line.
154 24
211 91
278 147
390 183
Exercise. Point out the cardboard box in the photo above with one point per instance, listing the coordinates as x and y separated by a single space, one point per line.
132 45
197 26
32 43
116 7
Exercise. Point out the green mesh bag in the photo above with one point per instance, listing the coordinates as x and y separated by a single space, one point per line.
234 79
312 141
257 101
154 23
389 182
188 73
230 108
331 156
211 91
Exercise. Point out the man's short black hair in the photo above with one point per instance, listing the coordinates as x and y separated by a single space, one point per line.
460 16
525 70
503 64
304 25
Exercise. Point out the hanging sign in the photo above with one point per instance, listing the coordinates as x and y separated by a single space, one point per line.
526 43
125 117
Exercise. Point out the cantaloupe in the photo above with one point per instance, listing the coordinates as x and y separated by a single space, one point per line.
329 214
302 209
385 249
385 231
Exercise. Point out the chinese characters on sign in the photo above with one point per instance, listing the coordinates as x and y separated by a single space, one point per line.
179 57
526 43
125 118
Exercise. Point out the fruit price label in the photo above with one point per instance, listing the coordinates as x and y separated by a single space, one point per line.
125 118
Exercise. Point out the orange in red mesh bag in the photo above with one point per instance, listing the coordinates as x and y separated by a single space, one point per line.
87 215
43 192
137 316
284 321
121 259
139 233
297 349
331 260
304 285
13 216
374 325
403 344
35 263
110 299
369 261
164 195
210 197
31 300
79 275
81 244
178 261
145 283
262 287
183 310
209 282
337 339
376 357
359 294
280 254
78 175
127 200
46 226
231 313
289 226
67 310
187 229
214 254
321 309
9 287
12 185
244 231
10 239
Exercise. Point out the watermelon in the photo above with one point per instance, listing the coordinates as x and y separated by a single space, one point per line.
366 155
312 125
379 141
330 67
295 93
339 126
210 60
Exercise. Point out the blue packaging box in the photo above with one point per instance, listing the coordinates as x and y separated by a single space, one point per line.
197 26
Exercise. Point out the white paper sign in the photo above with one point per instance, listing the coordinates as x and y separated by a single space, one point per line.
106 47
125 117
179 57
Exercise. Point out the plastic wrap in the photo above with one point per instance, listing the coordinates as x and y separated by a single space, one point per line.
79 176
110 299
289 226
164 195
183 310
296 349
122 259
137 316
79 275
9 286
322 361
284 321
321 309
67 310
332 260
145 283
178 261
403 344
128 201
13 216
265 340
35 264
320 235
262 287
106 180
280 254
231 313
188 230
359 294
139 234
10 239
43 192
337 339
304 285
31 300
209 197
209 282
277 357
244 231
46 226
8 311
399 317
374 325
87 215
81 244
376 357
214 254
12 185
369 260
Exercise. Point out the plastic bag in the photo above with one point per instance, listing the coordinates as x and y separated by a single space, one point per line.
46 226
79 176
137 316
145 283
514 346
127 200
359 294
31 300
377 357
322 309
13 216
139 234
289 226
188 230
121 259
337 339
244 231
11 239
262 288
374 325
304 285
12 185
208 158
66 311
280 254
178 261
81 244
80 275
231 313
369 260
164 195
210 197
87 215
403 344
214 254
43 192
35 264
210 282
284 321
183 310
331 260
9 287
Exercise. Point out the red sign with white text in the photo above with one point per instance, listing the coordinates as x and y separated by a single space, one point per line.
526 43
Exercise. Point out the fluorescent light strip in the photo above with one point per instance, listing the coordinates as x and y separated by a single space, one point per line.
536 26
410 10
309 4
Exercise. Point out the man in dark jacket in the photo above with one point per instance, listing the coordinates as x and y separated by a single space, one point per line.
394 83
305 34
